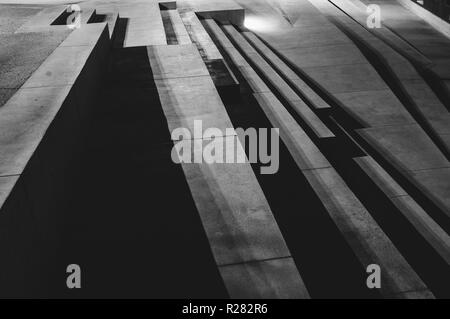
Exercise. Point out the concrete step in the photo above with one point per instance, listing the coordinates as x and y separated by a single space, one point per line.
178 26
144 24
200 36
307 93
307 115
415 214
226 194
362 233
410 151
221 73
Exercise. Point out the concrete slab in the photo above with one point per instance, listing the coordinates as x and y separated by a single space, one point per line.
253 80
176 61
407 147
303 150
24 120
436 184
222 11
188 99
218 33
380 177
415 214
271 279
142 23
86 35
310 95
375 108
62 67
307 93
429 17
307 115
235 214
236 58
300 37
179 28
424 294
6 185
413 29
346 78
270 55
141 38
23 53
429 105
329 55
200 36
168 5
147 9
425 225
368 241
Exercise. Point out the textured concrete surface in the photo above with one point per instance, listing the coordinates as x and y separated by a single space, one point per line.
12 17
405 146
243 280
375 108
25 119
200 35
22 54
305 67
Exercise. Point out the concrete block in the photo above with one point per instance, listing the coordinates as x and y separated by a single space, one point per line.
303 150
176 61
144 38
179 28
188 99
235 214
369 243
218 33
200 36
271 279
254 81
88 34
